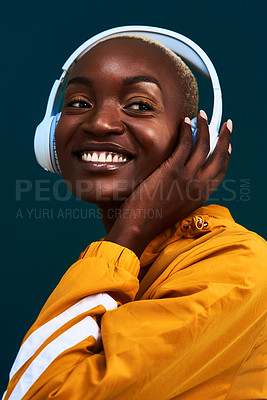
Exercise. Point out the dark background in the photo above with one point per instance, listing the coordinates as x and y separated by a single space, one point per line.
42 236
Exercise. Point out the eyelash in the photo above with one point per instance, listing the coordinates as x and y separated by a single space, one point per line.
142 103
144 106
80 101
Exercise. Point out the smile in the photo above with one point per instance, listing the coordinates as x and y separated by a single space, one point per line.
103 157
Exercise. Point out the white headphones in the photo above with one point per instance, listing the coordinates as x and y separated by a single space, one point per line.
190 52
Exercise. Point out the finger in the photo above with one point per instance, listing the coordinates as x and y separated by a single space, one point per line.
220 155
218 179
185 144
202 146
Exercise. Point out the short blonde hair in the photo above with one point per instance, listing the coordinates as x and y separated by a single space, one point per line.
185 76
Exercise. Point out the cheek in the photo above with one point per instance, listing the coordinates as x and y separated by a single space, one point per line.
64 129
64 134
157 138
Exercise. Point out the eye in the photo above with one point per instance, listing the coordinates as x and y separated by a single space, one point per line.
140 106
79 103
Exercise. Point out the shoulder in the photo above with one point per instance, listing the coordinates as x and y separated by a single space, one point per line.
223 237
223 254
236 246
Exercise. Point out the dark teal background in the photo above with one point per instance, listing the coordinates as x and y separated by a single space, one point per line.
37 38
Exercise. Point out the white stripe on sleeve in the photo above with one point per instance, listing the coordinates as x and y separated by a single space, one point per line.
38 337
71 337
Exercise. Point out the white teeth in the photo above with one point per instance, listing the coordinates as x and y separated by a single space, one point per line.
103 157
94 157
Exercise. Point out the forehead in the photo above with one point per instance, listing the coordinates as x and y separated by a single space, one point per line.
128 55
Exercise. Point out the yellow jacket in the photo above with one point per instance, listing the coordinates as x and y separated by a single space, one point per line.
193 329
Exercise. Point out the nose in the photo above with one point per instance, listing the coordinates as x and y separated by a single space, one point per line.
104 120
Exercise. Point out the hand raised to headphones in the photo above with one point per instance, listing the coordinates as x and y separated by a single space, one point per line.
180 185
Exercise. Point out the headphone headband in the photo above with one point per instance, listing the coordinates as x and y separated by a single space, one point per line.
189 51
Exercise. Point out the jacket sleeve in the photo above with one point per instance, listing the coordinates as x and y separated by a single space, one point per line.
67 331
92 341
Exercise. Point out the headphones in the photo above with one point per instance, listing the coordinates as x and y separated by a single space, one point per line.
190 52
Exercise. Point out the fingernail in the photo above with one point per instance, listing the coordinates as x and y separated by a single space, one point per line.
203 114
187 120
229 125
230 148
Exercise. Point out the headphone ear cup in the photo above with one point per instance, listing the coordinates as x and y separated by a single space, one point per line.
194 130
53 152
44 144
214 135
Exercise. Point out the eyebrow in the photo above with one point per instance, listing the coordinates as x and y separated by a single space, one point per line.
80 79
127 81
141 78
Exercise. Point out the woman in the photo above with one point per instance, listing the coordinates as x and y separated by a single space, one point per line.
169 307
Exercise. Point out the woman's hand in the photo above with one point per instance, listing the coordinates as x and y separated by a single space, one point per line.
176 188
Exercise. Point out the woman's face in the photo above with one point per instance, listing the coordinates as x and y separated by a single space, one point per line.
119 121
